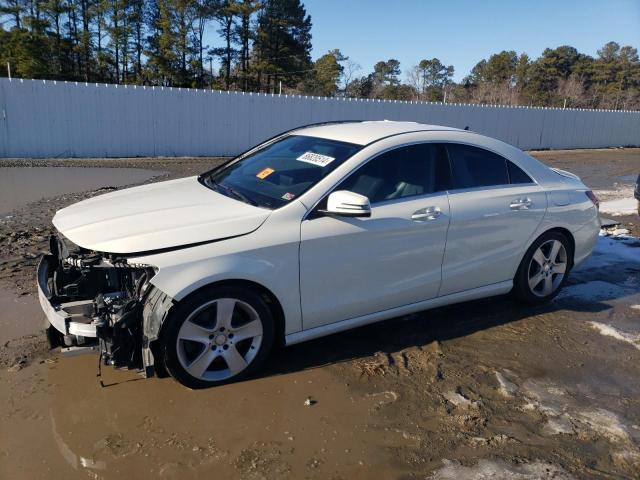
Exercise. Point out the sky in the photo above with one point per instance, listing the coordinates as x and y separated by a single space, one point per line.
463 32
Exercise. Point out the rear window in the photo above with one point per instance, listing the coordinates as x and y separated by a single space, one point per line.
474 167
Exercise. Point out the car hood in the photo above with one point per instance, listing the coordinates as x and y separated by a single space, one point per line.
160 215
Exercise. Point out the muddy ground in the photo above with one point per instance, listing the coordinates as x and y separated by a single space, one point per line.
488 389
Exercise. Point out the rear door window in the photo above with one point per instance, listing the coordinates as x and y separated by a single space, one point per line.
474 167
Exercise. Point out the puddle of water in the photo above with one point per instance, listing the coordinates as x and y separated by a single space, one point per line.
255 429
20 185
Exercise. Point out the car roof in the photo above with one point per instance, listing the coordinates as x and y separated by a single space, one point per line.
365 132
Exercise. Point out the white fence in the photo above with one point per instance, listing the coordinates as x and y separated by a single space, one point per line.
67 119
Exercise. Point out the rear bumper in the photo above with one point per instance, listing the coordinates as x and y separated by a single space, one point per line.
73 318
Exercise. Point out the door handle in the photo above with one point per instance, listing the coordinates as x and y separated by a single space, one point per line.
428 213
520 203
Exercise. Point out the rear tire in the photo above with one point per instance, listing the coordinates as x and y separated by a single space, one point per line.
217 335
544 269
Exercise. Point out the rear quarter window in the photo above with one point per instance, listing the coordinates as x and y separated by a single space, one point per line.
516 174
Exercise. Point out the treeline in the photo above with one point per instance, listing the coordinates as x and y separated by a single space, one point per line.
265 45
158 42
560 77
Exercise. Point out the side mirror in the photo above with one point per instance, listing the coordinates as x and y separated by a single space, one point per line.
343 203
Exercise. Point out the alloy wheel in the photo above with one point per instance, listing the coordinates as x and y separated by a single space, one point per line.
547 268
219 339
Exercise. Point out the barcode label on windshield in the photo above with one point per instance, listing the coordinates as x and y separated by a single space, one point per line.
316 159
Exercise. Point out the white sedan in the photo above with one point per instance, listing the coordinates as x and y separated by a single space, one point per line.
318 230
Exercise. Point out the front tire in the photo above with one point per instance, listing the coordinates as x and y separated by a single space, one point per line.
544 269
217 335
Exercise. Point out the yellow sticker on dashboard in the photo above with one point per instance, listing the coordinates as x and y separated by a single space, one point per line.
265 173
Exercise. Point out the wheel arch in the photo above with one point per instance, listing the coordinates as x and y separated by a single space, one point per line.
556 228
272 301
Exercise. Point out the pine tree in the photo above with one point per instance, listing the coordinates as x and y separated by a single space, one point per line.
203 10
54 11
15 9
282 44
326 73
243 36
225 13
85 39
137 20
184 14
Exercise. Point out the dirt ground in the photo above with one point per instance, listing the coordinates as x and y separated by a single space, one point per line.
485 389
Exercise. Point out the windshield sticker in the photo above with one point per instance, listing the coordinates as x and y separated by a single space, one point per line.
316 159
265 173
288 196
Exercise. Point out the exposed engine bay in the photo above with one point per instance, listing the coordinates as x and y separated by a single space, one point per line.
96 301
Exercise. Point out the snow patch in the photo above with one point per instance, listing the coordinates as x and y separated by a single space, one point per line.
609 331
460 400
605 423
610 250
614 255
555 404
507 387
621 192
545 397
499 470
558 425
619 231
624 246
623 206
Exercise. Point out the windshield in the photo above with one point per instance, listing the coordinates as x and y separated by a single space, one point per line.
276 174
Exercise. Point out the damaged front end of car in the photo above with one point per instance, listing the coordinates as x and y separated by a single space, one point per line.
101 302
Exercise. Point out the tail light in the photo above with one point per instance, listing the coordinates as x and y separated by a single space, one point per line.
593 198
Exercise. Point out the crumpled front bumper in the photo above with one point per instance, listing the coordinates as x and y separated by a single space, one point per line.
93 305
72 318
